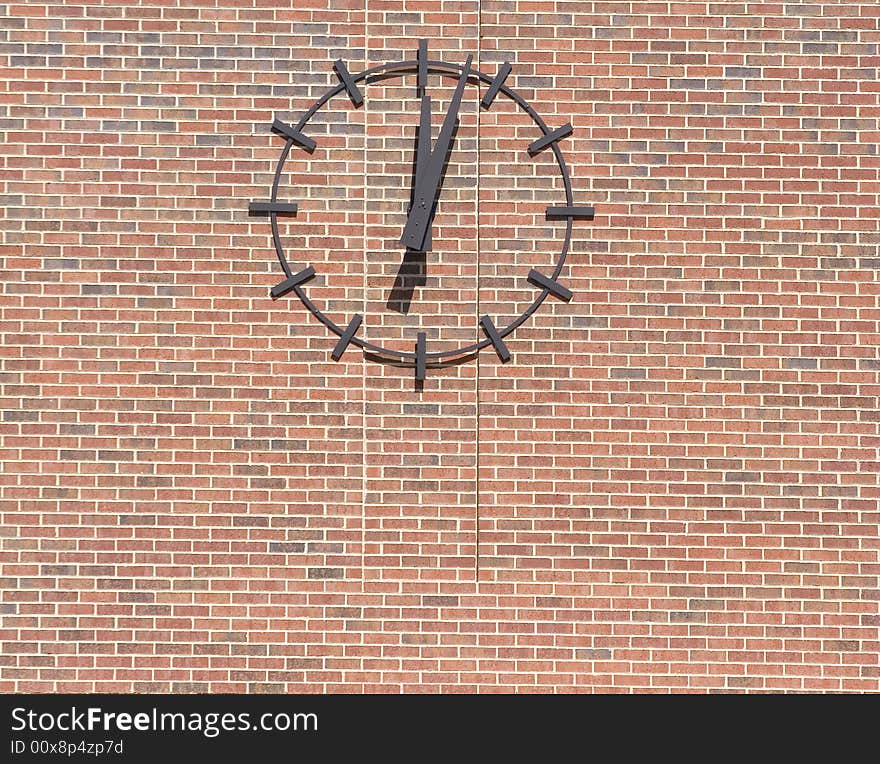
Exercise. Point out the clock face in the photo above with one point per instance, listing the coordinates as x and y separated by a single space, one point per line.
421 211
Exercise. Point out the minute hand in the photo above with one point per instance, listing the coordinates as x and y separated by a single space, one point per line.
419 218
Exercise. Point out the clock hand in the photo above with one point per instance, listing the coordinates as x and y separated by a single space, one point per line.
423 155
412 271
420 215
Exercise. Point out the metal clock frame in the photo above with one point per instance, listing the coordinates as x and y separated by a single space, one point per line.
420 358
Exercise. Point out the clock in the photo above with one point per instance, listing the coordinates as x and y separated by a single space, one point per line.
416 217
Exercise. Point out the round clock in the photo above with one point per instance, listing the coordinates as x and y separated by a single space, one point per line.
414 235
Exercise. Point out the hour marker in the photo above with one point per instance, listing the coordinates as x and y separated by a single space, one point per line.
291 281
423 67
554 287
420 356
354 93
495 338
282 128
554 135
264 208
346 336
495 85
554 213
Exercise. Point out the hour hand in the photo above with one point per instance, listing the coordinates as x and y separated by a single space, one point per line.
421 213
423 156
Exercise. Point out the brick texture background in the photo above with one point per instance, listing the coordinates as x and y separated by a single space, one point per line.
673 487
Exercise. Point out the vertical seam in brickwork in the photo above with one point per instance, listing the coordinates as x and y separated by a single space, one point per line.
364 311
477 318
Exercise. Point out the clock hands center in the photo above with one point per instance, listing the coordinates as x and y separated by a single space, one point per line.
420 215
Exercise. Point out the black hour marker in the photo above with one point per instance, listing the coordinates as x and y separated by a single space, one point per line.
282 128
495 85
346 336
264 208
422 58
554 135
554 287
291 281
495 338
554 213
354 93
420 356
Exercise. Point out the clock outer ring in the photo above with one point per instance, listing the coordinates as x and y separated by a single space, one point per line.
402 357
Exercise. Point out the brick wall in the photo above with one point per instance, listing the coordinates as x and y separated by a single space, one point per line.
674 486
